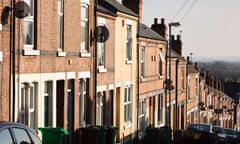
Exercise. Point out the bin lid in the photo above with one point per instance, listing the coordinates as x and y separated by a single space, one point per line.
52 129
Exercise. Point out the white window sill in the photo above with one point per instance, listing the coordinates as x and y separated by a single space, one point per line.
31 52
85 54
161 76
129 62
127 125
102 70
61 54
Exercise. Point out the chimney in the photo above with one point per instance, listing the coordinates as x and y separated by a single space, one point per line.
134 5
155 20
188 59
178 45
161 28
196 65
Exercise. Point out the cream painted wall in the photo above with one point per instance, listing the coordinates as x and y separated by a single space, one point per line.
125 73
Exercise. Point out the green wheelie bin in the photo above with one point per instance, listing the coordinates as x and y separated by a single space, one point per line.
52 135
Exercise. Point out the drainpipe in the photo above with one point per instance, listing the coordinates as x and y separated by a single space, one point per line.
12 53
138 77
95 64
186 94
176 94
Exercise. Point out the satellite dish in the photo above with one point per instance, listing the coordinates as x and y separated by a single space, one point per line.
22 9
101 33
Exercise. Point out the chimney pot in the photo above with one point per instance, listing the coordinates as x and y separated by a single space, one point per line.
162 21
188 59
196 65
178 37
155 20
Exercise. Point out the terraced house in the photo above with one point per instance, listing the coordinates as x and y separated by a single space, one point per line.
48 71
80 63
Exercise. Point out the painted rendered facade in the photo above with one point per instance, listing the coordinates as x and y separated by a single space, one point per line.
125 75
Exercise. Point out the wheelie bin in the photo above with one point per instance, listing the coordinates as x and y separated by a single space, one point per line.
52 135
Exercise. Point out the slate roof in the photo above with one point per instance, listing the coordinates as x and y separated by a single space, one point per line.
146 32
104 9
113 6
192 69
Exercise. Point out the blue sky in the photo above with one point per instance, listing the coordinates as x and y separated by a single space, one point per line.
210 28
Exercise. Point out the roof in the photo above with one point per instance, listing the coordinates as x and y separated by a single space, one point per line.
113 6
146 32
104 9
192 69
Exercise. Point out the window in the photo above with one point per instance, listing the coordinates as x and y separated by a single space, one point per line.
160 109
101 54
196 88
60 25
161 60
21 136
143 62
6 137
111 106
129 42
83 101
209 98
142 115
84 27
27 105
189 87
32 107
128 105
100 106
29 26
182 78
48 102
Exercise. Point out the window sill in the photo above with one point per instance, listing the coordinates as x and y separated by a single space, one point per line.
27 52
102 70
161 76
142 79
129 62
85 54
127 125
61 54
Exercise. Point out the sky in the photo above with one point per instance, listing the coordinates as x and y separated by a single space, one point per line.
208 27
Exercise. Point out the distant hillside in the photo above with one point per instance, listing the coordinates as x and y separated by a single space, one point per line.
223 70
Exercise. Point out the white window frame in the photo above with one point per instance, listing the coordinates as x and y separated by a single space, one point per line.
29 49
143 61
84 50
30 18
27 104
128 105
197 86
48 92
142 114
129 42
60 35
160 109
189 89
160 63
101 47
100 106
82 101
182 79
